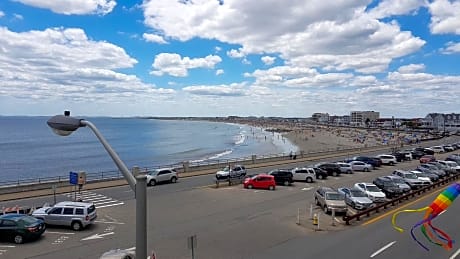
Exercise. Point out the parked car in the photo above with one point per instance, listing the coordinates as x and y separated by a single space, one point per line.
231 171
387 159
453 157
416 153
329 199
410 178
303 174
425 151
372 191
440 167
429 168
422 177
400 156
361 166
320 173
388 187
374 161
282 176
452 166
20 228
356 198
427 158
330 168
399 182
438 149
260 181
448 148
119 254
76 215
345 168
161 175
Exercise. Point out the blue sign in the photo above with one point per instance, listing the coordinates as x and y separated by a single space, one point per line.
73 178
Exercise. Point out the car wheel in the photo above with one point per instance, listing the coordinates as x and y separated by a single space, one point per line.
152 182
286 183
349 172
316 201
325 209
250 186
309 180
366 169
336 173
76 226
271 187
352 204
392 163
18 239
174 179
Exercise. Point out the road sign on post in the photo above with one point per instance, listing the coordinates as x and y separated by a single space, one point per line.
73 178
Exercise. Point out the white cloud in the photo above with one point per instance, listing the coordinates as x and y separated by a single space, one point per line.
233 53
268 60
154 38
217 90
2 14
412 68
445 16
69 7
219 72
387 8
18 16
335 37
63 64
217 49
451 48
174 65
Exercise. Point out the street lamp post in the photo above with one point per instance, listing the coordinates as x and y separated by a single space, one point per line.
64 125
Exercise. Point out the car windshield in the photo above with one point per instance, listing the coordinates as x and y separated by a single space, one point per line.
388 184
226 169
357 193
334 196
373 188
301 171
398 180
411 176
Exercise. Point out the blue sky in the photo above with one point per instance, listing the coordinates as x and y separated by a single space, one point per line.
233 57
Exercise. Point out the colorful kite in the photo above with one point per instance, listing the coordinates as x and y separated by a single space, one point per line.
433 234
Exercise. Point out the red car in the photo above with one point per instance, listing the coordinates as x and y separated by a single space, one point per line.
427 158
260 181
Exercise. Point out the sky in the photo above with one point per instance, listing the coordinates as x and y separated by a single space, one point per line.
288 58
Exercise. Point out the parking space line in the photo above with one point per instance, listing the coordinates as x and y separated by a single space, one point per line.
59 233
455 254
382 249
110 205
110 222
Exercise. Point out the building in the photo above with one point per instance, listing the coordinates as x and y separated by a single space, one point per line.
320 117
442 122
363 118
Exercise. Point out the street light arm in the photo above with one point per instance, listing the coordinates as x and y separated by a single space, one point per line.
121 166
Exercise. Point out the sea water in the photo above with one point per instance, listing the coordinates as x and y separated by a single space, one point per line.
29 149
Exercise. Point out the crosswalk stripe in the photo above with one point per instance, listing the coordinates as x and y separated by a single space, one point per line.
110 205
99 200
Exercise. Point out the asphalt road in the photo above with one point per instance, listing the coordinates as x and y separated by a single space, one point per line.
229 222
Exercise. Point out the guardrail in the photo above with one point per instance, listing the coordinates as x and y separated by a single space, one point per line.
393 202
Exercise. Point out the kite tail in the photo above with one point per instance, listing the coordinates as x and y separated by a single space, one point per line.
442 235
393 219
422 224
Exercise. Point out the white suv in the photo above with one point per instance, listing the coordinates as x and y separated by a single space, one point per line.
387 159
372 191
303 174
161 175
76 215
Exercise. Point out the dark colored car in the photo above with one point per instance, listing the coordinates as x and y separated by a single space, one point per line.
375 162
320 173
388 187
429 168
19 228
282 176
400 156
330 168
426 151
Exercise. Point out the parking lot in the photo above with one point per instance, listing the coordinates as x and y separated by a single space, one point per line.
221 218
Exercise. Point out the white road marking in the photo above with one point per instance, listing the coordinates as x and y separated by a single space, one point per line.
382 249
7 246
97 236
110 205
110 222
59 233
307 188
455 254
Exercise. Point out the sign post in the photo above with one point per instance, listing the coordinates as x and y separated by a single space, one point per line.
192 245
73 179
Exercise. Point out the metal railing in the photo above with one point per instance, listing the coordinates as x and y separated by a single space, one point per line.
400 199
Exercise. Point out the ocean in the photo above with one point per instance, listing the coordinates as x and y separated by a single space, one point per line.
30 150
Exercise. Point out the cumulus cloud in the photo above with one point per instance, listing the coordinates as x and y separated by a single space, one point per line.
154 38
65 64
219 72
338 37
69 7
389 8
268 60
451 48
445 16
234 89
173 64
412 68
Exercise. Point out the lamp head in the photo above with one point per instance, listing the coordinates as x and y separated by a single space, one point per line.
64 125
